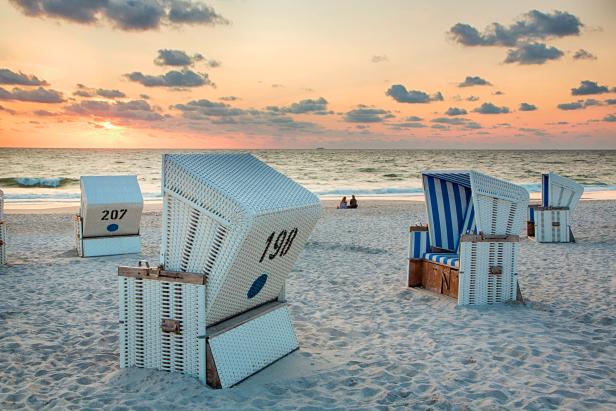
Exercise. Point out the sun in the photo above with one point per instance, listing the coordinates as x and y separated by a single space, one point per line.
108 125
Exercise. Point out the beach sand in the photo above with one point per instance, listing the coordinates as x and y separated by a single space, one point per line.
366 341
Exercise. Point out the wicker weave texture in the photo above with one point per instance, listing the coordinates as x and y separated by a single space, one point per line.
144 304
78 235
563 192
477 286
500 206
219 212
552 226
246 349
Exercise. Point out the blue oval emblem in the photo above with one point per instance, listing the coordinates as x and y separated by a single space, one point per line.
257 286
112 227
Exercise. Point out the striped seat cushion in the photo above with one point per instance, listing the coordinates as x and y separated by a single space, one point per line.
450 259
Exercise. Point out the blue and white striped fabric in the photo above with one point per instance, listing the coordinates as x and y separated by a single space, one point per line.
531 214
419 244
545 190
448 198
450 259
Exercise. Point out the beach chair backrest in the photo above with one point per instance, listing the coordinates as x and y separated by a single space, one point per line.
559 191
238 221
110 206
500 206
448 200
460 202
1 205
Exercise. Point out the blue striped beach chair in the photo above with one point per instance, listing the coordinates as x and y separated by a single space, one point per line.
550 221
469 248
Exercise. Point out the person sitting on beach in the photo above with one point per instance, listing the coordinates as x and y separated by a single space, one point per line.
343 203
353 202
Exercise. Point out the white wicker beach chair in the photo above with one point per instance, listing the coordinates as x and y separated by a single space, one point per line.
234 228
550 222
2 231
469 248
109 217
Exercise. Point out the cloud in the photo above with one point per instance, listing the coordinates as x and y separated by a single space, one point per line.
408 124
450 121
307 106
44 113
472 98
413 118
229 98
610 101
527 107
111 94
129 15
38 95
173 78
610 118
7 110
214 63
498 93
222 113
580 104
399 93
533 53
133 110
277 86
455 111
84 91
20 79
582 54
470 81
523 34
439 126
588 87
365 114
571 106
379 59
530 26
489 108
176 58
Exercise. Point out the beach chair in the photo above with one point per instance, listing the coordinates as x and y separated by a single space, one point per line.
2 231
215 308
550 221
469 248
109 216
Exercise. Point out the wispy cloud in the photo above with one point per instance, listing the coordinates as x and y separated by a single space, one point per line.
582 54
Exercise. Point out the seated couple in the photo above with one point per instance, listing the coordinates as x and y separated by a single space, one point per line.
351 204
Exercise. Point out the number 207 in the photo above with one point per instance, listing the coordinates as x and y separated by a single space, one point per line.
114 214
281 246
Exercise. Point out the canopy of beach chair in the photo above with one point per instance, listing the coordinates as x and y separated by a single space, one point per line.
559 191
466 201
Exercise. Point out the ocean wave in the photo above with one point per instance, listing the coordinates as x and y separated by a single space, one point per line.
38 182
383 191
61 196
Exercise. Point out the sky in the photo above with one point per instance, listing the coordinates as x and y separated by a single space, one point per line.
243 74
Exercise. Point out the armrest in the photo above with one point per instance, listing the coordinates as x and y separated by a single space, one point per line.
419 243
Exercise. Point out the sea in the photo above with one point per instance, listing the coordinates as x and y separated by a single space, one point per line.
52 175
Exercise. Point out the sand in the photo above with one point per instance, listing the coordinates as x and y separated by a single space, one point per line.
366 341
